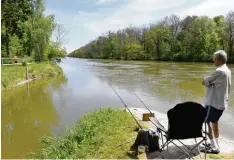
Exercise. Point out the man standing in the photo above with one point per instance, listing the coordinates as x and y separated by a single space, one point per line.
218 86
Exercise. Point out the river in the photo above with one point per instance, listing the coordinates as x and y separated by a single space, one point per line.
47 107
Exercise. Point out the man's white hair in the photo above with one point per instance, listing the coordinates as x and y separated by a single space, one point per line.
221 55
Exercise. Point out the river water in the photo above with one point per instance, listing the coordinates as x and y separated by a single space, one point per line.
47 107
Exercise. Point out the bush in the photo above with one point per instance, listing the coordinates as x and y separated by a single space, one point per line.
165 57
231 59
203 57
24 63
179 57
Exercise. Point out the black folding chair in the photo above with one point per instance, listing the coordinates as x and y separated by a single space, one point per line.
185 121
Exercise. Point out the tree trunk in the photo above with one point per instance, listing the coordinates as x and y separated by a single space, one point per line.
7 44
222 45
158 49
230 46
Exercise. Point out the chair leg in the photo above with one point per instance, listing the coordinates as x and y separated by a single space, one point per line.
184 144
162 141
186 153
205 138
166 145
167 151
162 137
181 150
198 147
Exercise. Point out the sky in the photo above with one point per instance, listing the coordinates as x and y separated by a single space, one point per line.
85 20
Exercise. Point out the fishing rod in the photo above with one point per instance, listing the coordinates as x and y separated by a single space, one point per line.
143 104
149 111
126 107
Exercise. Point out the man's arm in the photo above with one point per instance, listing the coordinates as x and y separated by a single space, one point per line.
213 78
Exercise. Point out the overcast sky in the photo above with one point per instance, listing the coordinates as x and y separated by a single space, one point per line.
85 20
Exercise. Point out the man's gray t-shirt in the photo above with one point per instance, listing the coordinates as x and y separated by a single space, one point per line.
218 86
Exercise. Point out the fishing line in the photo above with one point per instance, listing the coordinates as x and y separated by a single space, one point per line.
126 106
149 111
143 103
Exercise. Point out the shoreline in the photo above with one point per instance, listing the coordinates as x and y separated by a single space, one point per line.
151 60
101 123
23 82
13 76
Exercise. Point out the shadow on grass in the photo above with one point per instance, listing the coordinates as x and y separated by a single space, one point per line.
174 152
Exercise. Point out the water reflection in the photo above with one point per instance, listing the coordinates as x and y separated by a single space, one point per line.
27 115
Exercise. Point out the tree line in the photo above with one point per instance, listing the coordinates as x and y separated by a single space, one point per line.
194 38
26 31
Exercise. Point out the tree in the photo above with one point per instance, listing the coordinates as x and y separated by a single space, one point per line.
26 31
60 34
186 35
220 29
230 31
155 38
194 38
13 13
134 51
41 34
174 23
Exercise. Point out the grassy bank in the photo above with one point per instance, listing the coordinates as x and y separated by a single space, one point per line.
100 134
104 134
222 156
12 75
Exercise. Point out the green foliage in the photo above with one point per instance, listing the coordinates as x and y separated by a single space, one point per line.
45 69
24 63
26 30
172 39
95 136
41 36
15 47
134 51
55 52
12 75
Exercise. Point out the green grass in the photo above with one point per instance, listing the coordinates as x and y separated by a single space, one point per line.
222 156
46 69
100 134
12 75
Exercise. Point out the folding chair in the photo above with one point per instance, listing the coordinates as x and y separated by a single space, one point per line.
185 121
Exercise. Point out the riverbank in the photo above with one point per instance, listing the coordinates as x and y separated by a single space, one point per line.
106 133
210 61
16 75
109 133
